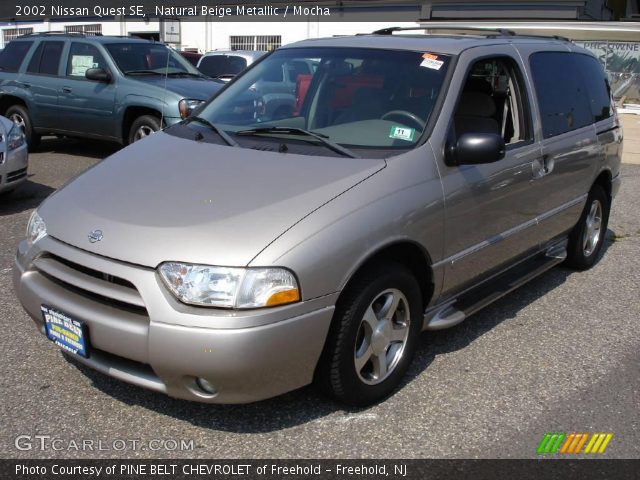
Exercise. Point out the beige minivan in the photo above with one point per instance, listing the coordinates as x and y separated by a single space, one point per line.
236 255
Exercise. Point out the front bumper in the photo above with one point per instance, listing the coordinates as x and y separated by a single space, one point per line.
13 167
145 337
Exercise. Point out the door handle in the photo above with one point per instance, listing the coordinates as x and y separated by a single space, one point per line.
26 85
66 89
547 164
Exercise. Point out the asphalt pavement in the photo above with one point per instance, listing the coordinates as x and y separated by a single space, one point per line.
560 354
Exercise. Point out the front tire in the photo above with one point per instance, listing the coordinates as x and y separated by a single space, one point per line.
143 126
587 237
373 336
20 116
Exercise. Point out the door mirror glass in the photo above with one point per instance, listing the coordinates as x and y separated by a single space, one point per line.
476 148
98 74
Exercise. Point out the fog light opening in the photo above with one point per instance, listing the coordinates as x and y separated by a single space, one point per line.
206 386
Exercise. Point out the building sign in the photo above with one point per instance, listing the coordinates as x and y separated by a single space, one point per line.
621 60
170 30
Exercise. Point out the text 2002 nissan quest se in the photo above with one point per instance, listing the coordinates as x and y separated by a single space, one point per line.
412 180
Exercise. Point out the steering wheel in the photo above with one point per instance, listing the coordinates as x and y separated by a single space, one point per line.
405 113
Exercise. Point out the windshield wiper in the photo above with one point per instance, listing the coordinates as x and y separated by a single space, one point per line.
142 72
324 139
224 135
188 74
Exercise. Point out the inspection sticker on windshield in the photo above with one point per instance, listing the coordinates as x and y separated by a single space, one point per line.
431 61
402 133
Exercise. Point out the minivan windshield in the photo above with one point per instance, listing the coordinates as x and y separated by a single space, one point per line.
143 58
358 97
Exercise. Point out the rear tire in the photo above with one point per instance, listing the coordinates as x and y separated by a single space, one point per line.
143 126
373 336
20 116
587 237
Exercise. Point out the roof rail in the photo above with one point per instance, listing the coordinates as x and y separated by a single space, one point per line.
490 32
58 32
500 31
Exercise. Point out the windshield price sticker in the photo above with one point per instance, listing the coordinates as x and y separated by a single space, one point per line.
402 133
431 61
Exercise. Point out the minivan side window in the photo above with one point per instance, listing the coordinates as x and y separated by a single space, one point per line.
562 95
82 57
46 58
13 55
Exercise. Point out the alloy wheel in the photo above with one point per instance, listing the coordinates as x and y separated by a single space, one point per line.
382 336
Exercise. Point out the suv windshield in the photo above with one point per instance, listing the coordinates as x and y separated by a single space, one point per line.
367 98
149 58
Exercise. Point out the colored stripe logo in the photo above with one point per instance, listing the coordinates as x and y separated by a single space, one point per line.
573 443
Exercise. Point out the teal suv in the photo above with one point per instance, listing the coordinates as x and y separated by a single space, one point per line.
109 88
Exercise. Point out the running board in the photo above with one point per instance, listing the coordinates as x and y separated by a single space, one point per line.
457 310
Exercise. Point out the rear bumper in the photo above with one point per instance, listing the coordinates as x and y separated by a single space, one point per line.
13 167
247 356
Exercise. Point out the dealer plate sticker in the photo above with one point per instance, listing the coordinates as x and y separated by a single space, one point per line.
66 332
431 61
402 133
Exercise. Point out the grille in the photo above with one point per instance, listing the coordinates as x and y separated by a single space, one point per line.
16 175
98 286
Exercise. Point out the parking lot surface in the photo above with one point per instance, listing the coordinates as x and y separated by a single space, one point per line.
560 354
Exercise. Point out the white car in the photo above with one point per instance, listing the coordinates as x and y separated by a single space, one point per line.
14 156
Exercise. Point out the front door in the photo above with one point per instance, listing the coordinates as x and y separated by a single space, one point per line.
491 208
86 106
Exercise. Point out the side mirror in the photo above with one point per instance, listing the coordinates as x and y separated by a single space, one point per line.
476 148
98 74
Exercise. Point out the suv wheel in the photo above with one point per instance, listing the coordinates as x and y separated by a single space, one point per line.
373 336
143 127
20 116
587 237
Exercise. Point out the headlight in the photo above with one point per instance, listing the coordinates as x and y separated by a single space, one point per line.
36 229
188 105
227 287
15 138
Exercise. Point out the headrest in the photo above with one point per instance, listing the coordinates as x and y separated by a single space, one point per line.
476 104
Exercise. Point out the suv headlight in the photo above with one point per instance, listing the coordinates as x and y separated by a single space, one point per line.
188 105
229 287
15 138
36 228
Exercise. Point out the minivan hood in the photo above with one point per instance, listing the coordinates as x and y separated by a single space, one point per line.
196 88
166 198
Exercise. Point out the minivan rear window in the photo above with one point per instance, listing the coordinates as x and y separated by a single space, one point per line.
572 91
13 55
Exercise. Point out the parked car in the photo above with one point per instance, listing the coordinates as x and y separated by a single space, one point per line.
226 64
192 57
108 88
14 157
228 259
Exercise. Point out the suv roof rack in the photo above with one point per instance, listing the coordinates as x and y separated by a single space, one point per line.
490 32
58 32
